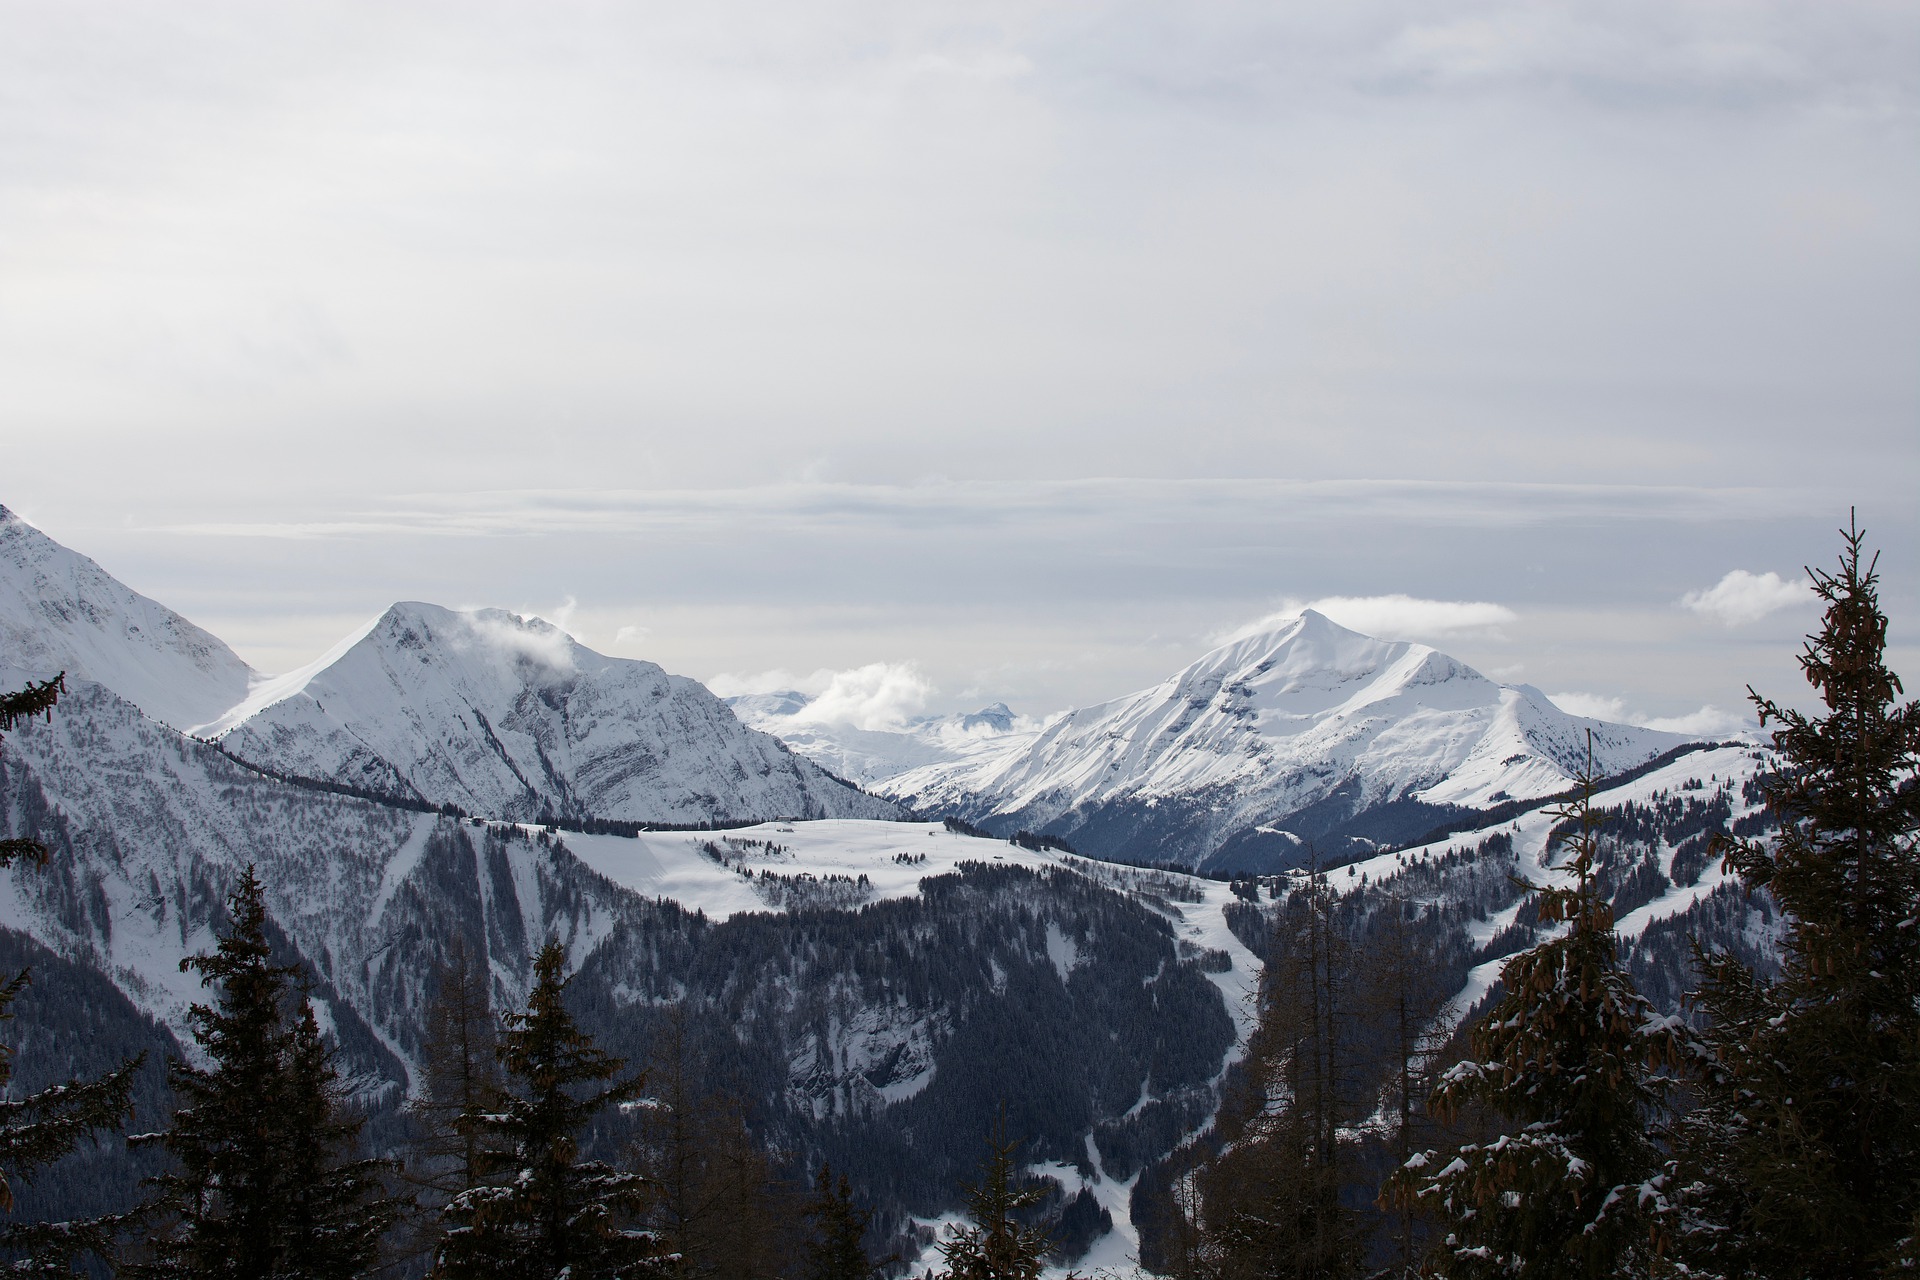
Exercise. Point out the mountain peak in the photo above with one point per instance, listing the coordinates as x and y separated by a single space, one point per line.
999 717
510 716
505 636
1298 725
59 611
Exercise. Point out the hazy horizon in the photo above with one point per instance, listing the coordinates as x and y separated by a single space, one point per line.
984 352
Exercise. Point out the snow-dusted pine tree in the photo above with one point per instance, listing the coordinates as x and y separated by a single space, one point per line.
1575 1187
998 1246
1803 1158
37 1130
264 1184
541 1212
37 699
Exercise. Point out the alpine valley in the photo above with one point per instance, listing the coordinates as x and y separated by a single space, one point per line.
873 939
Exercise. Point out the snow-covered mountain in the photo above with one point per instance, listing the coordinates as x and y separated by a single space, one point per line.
511 717
871 756
1303 732
1098 1001
972 969
59 611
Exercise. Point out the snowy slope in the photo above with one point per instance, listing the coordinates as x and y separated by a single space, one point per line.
859 1012
59 611
1296 733
1715 770
150 828
512 718
716 872
871 756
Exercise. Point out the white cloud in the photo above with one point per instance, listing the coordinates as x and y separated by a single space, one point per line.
1393 617
563 618
1707 722
1594 706
529 637
1398 617
879 695
1743 597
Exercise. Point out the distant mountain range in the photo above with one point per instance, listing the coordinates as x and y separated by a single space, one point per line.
1303 740
482 710
513 718
871 757
872 989
877 988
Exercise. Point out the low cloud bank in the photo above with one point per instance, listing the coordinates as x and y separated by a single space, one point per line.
1707 722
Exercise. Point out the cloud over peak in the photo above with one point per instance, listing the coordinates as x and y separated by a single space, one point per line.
1393 617
878 695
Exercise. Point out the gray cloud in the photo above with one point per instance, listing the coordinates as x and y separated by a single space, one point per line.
1034 343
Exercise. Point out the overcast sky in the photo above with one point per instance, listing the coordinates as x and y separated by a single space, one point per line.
1021 349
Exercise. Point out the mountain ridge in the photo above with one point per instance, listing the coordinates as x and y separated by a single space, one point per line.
498 714
1301 732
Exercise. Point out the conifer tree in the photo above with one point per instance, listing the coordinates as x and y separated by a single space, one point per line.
1414 1009
1270 1203
710 1190
836 1249
263 1186
540 1211
1803 1158
460 1078
1567 1055
39 1129
42 1127
998 1246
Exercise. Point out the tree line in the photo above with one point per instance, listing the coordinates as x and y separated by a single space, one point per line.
1572 1130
